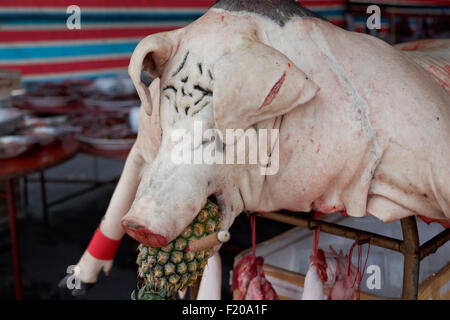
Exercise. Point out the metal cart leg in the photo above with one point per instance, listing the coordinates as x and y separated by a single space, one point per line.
14 240
25 190
411 251
44 199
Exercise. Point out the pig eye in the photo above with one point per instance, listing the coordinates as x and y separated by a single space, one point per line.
219 143
207 141
170 88
220 146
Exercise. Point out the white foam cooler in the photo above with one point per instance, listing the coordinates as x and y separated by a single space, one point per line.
287 258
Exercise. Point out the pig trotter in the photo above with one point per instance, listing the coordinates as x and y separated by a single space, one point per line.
77 291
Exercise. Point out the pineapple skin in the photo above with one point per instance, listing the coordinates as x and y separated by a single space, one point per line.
164 271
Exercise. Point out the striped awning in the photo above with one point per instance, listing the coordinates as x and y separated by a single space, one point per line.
34 37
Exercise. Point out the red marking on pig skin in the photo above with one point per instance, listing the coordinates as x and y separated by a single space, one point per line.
223 18
418 46
274 91
444 223
441 76
142 234
287 137
289 65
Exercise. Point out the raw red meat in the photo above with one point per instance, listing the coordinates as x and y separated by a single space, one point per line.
250 281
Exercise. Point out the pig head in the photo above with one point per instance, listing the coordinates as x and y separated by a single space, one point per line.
359 127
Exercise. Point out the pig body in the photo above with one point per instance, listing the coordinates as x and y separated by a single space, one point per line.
361 127
374 140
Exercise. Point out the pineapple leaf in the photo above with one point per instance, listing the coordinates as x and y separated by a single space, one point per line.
141 292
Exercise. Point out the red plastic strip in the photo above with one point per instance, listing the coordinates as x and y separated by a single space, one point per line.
102 247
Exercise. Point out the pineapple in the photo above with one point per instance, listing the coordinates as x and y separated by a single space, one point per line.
164 271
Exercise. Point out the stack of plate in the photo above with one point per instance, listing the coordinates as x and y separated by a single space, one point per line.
14 146
9 120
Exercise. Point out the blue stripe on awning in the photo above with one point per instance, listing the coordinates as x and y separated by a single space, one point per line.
326 12
66 51
91 22
112 17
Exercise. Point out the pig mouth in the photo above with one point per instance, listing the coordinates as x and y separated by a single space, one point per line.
142 234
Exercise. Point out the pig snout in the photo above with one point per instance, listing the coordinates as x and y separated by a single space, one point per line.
146 223
157 223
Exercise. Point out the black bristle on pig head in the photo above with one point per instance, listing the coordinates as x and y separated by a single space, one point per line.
280 11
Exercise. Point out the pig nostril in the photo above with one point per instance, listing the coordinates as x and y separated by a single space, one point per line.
131 224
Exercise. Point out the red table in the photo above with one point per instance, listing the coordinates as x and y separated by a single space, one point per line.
36 160
75 108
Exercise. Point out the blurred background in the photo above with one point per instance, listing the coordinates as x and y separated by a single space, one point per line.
68 117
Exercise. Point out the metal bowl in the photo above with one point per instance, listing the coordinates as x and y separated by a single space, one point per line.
110 104
106 144
44 135
49 101
44 121
10 119
14 146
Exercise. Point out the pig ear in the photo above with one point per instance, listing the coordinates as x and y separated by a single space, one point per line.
150 55
149 133
256 83
155 92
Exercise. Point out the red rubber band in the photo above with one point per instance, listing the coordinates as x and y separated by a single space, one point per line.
253 225
318 257
102 247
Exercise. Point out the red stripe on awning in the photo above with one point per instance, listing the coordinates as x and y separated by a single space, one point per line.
83 34
109 3
56 67
314 3
404 2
